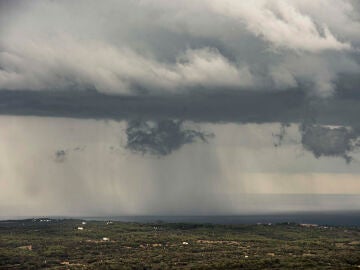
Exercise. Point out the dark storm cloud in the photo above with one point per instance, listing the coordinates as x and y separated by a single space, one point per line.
241 107
167 135
323 140
160 138
330 141
205 61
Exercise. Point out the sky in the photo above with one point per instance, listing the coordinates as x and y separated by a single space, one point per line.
144 107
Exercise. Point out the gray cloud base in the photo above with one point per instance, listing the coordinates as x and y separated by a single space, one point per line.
242 107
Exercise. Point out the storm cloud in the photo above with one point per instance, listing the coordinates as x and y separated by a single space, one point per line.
330 141
117 99
160 138
155 46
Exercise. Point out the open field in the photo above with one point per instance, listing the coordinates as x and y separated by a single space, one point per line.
61 244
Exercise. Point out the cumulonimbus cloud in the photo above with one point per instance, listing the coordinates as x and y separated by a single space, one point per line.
158 46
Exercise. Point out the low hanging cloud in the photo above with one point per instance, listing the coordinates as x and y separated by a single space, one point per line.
160 138
330 141
157 46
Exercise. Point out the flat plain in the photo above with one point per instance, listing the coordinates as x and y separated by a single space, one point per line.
78 244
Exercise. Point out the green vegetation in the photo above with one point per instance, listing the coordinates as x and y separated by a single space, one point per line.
59 244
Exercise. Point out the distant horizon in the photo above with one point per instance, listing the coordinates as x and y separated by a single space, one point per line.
330 218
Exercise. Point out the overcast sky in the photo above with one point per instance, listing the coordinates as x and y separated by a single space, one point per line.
157 46
179 107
